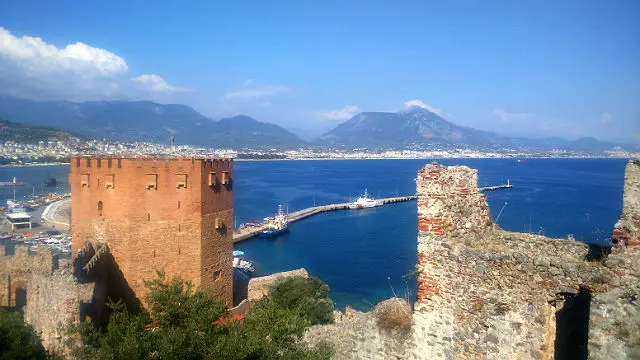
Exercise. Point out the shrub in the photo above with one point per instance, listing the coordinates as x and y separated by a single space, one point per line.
393 315
183 323
307 296
17 340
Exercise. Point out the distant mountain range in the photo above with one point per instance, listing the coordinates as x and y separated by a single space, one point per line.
416 128
147 121
10 131
421 128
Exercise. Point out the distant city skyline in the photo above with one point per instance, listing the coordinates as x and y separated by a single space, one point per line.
537 68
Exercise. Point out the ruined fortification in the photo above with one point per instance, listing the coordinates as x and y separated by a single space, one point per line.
48 294
485 293
155 213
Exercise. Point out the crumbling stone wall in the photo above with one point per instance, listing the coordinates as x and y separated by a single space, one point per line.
53 301
615 313
16 270
49 297
485 293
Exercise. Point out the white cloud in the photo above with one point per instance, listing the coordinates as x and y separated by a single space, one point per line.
33 68
345 113
37 57
256 92
248 82
419 103
506 116
155 83
606 118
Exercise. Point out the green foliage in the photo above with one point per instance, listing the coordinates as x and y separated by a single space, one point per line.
182 323
17 340
307 296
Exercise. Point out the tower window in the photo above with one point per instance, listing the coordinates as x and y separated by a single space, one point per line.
225 178
88 162
109 163
181 181
217 275
152 181
99 162
178 204
100 206
109 181
213 179
84 180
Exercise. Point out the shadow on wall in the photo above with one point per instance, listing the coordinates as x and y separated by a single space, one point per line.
110 284
21 298
572 326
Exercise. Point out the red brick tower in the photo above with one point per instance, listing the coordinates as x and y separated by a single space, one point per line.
158 213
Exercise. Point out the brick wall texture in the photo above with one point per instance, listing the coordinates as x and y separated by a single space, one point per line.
158 213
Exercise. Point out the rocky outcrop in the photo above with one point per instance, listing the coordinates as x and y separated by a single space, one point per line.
259 287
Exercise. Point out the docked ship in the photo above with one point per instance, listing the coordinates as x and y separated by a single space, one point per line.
364 202
278 224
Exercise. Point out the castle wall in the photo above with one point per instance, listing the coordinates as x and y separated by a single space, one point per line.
17 269
49 297
156 214
615 313
484 292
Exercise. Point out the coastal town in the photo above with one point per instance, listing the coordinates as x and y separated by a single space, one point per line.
60 151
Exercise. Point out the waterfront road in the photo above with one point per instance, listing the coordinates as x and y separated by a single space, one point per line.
58 213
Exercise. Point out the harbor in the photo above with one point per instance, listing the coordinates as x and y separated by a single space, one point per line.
247 232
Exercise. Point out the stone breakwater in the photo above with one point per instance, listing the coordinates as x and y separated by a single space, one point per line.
485 293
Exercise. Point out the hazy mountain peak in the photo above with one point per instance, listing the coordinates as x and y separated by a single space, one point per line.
147 121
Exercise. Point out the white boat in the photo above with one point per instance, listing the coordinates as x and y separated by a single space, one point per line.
242 264
365 202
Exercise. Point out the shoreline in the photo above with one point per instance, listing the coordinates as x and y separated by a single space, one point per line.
34 164
380 158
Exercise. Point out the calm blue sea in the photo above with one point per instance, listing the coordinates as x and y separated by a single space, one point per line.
363 255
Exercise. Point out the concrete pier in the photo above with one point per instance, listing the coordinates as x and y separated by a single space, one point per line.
504 186
250 232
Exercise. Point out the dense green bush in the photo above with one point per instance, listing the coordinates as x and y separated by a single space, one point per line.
182 323
307 296
17 340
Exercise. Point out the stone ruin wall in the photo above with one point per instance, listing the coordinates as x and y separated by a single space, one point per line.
615 313
53 296
484 292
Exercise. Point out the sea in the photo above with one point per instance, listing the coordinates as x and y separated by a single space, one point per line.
369 255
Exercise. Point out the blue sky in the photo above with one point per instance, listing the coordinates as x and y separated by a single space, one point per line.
537 68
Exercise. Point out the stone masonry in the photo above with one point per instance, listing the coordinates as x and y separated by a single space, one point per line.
157 213
485 293
615 313
49 296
